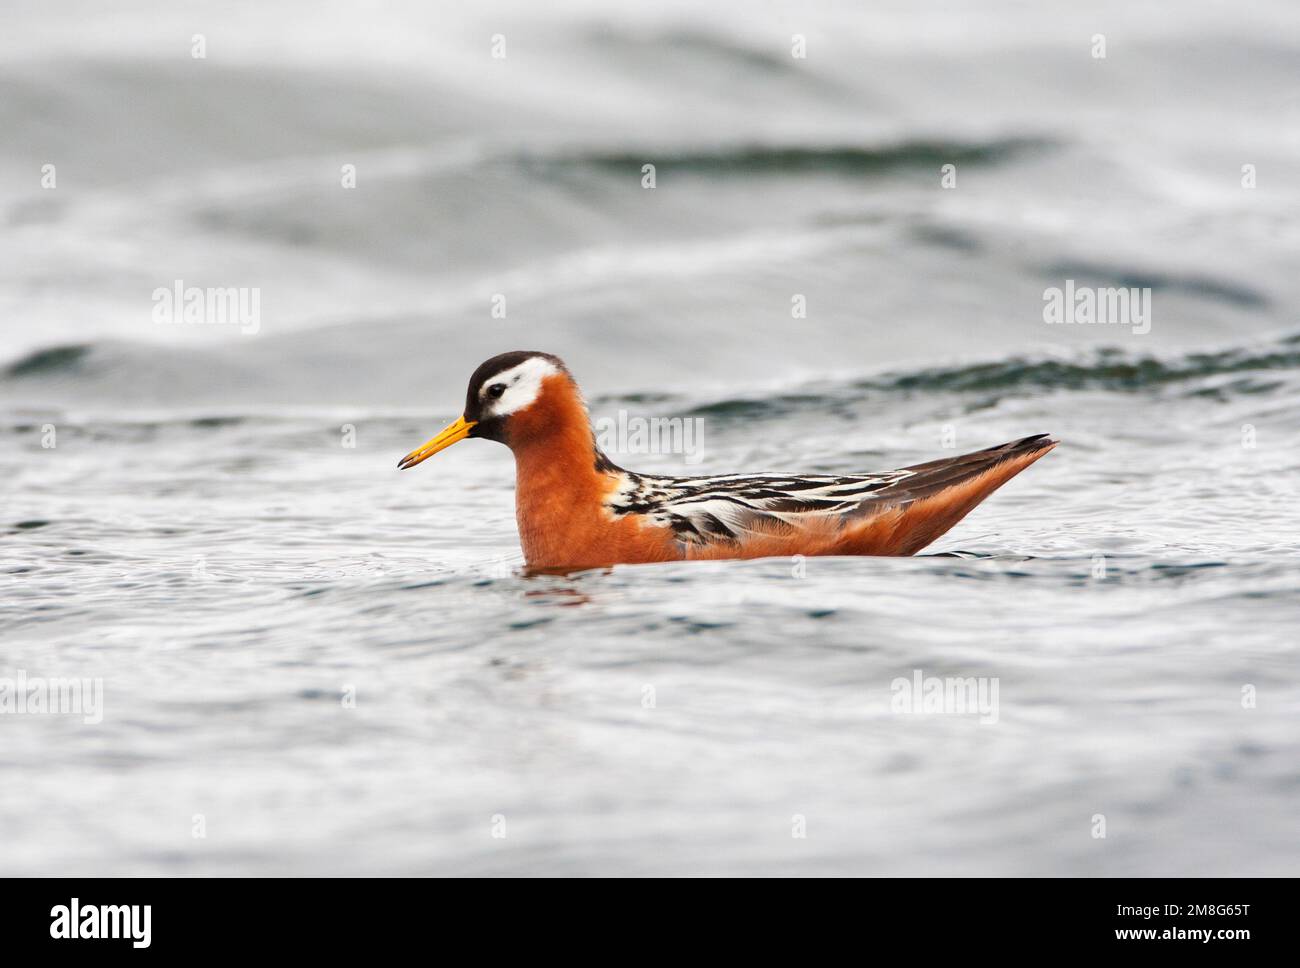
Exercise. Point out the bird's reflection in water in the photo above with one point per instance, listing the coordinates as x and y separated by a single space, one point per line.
555 593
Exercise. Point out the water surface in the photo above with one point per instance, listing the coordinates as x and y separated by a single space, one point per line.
341 668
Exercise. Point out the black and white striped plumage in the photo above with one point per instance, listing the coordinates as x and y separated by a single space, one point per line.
727 508
577 509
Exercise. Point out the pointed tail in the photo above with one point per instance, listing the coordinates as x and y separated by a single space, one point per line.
904 518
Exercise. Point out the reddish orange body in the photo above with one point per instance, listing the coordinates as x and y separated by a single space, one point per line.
568 494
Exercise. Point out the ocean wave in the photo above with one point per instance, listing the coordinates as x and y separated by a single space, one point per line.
1104 369
1233 372
55 359
801 159
1107 369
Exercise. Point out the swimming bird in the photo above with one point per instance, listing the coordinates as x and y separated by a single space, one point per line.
577 509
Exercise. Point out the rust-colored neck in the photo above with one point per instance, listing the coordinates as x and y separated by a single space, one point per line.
559 493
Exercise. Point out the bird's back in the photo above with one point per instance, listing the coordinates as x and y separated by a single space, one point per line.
754 515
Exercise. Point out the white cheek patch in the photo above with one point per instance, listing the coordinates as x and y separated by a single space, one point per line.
523 384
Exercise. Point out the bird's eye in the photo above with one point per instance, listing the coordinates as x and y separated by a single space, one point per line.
496 389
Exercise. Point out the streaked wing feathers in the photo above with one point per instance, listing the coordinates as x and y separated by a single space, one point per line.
704 510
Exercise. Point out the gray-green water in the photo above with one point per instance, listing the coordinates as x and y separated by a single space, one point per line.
325 665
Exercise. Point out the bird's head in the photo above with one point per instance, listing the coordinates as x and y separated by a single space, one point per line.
513 398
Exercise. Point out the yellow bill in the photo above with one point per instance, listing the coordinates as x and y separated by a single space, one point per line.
448 436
